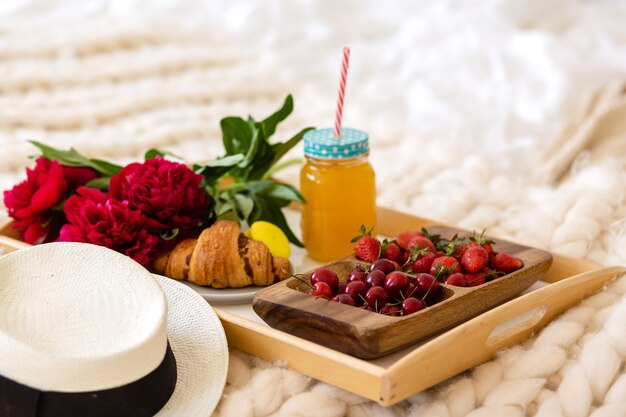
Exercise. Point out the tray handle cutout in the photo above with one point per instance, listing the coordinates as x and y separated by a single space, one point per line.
511 328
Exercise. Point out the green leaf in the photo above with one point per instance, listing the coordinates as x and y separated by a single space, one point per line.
72 158
251 195
104 167
245 205
270 123
226 161
286 192
230 214
261 171
236 135
153 153
252 151
99 183
224 203
269 197
267 209
212 171
277 151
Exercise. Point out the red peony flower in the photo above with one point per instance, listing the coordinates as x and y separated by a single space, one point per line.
96 218
166 192
77 176
30 202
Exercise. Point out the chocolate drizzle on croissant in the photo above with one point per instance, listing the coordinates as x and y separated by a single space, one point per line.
223 257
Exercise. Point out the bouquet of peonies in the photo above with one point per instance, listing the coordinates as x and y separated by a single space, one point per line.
144 207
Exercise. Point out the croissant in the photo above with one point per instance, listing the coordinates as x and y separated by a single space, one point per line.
223 257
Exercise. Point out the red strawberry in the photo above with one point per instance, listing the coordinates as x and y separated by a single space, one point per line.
453 247
367 248
475 259
460 250
444 266
480 277
483 242
505 263
405 237
475 279
456 279
421 242
393 252
423 262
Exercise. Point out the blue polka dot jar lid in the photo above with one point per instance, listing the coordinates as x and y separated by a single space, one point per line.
321 144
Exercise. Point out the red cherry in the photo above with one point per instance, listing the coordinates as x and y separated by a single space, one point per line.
375 279
396 283
344 299
390 310
341 288
376 297
325 275
384 265
322 289
426 285
457 279
357 274
356 290
410 290
412 305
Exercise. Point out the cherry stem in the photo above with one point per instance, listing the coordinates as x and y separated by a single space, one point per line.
428 290
301 279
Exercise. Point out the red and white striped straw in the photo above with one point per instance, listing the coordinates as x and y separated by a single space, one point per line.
342 91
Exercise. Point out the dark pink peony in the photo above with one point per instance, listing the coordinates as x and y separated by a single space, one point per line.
99 219
77 176
30 202
166 192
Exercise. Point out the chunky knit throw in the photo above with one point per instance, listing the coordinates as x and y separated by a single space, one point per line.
461 105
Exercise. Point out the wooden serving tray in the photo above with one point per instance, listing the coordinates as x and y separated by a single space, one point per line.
393 378
364 334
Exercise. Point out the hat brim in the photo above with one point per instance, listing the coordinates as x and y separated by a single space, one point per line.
198 341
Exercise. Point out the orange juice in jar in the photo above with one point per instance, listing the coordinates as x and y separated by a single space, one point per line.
338 184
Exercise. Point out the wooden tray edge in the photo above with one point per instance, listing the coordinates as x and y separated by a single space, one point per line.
549 302
355 375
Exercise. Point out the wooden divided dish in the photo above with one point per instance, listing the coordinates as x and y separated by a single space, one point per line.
364 334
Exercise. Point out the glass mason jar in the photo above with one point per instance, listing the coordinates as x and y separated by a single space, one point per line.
339 186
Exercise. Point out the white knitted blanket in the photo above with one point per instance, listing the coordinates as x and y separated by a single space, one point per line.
460 101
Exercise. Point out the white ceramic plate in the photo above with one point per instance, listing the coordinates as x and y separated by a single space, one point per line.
225 296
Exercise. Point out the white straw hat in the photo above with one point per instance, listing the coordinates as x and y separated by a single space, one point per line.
87 331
